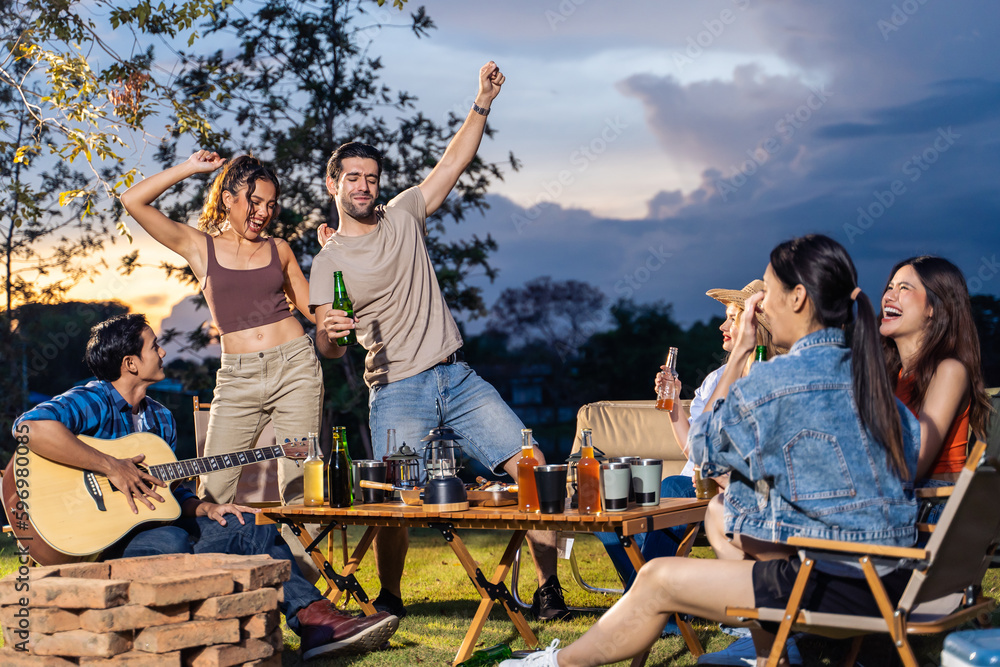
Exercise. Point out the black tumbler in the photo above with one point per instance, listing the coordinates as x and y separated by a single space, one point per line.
551 483
372 471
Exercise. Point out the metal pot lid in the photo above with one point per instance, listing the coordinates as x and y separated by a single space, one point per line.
441 433
404 453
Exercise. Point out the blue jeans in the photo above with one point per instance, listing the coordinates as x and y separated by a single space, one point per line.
201 535
490 431
656 544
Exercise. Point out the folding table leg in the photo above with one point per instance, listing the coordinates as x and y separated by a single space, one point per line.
341 582
351 566
690 638
492 590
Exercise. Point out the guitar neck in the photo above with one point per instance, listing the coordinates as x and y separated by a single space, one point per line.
168 472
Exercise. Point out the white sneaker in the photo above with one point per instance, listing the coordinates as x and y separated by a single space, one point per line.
544 658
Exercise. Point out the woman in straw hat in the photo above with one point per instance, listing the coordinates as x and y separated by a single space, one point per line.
658 544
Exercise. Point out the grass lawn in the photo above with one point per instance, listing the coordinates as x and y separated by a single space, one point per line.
441 602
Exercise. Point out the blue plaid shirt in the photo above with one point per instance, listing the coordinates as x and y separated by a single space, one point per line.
98 410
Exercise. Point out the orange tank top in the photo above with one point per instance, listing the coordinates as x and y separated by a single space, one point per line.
954 449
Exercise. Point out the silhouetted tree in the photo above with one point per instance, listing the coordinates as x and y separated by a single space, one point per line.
559 315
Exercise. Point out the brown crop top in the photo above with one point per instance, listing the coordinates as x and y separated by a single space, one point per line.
245 298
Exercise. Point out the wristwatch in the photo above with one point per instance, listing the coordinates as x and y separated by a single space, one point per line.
479 110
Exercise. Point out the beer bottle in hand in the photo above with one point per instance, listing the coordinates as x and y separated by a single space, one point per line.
343 302
665 397
339 473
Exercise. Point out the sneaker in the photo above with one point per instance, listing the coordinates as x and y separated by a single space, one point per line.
741 653
327 631
543 658
670 629
390 604
548 603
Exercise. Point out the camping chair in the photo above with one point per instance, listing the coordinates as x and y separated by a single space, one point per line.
944 590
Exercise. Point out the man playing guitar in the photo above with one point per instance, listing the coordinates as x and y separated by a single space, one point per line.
124 356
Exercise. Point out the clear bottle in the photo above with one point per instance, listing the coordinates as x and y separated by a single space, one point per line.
665 397
588 477
312 474
390 451
343 302
486 657
527 493
339 473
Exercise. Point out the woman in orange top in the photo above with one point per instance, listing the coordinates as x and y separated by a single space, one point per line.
932 355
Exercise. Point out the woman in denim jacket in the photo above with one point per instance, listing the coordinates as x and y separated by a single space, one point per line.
817 445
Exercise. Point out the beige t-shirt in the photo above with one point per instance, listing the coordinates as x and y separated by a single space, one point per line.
403 320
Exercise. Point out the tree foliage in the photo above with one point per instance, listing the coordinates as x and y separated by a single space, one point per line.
80 96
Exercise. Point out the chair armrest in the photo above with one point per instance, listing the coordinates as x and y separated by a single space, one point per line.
859 548
934 492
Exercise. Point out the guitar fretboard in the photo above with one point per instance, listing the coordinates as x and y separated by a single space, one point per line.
169 472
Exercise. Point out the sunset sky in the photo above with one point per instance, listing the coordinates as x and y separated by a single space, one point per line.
667 146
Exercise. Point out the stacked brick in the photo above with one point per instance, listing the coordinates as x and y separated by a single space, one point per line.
209 610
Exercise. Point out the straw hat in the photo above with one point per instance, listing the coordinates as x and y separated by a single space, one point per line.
739 298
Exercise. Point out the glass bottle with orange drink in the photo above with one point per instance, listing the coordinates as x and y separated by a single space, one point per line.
588 477
527 492
666 395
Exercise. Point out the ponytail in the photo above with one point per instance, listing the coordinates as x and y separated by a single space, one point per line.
872 387
244 170
824 268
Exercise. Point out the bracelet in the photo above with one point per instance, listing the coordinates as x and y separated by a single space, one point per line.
479 110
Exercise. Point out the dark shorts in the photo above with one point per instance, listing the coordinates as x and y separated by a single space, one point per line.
829 593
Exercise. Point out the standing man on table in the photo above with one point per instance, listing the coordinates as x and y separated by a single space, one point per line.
414 361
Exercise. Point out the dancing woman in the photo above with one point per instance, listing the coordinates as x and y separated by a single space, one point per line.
269 370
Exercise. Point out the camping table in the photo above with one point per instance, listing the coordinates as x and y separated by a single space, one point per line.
669 513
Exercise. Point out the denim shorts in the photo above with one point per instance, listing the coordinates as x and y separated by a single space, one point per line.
490 432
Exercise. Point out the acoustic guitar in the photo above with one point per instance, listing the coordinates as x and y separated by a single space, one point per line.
63 514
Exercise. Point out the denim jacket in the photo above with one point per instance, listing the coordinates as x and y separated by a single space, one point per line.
802 463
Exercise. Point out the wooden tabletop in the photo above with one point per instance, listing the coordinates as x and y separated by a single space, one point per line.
669 513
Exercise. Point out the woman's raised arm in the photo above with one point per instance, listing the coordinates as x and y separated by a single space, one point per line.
183 239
